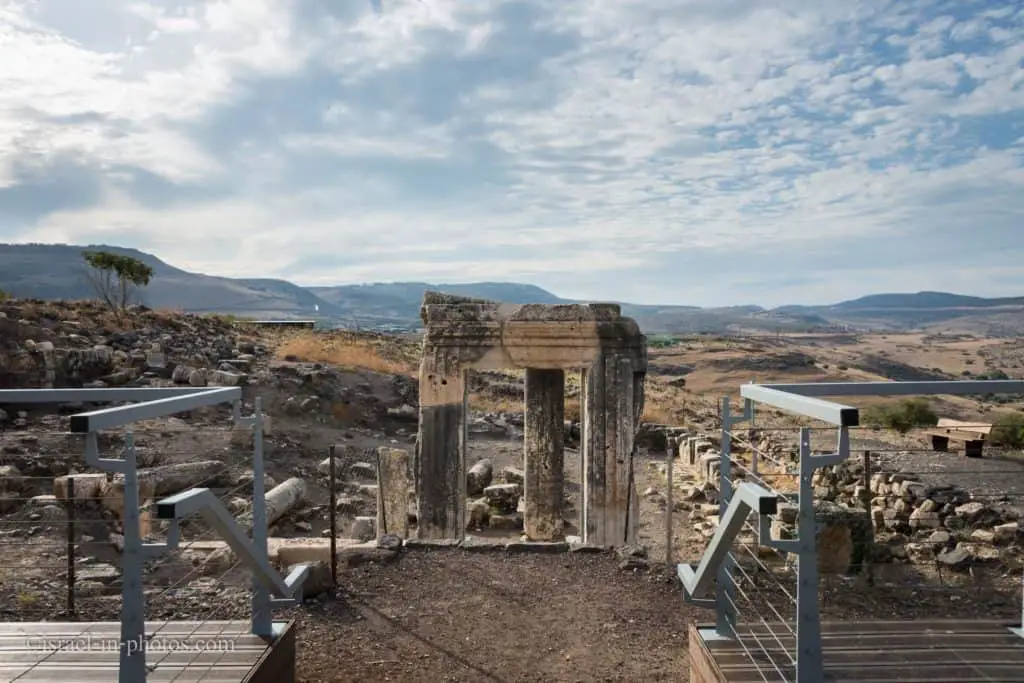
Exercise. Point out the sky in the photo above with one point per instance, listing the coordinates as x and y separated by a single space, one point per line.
702 152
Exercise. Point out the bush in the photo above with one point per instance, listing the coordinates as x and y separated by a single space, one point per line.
995 374
4 296
1008 431
662 341
903 416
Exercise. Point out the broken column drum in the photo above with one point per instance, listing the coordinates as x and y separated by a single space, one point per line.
463 335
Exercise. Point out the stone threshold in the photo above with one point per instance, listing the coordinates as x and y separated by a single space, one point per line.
474 544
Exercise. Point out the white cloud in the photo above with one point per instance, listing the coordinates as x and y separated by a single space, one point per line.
589 145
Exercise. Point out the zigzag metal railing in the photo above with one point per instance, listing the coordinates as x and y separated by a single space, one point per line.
736 504
803 400
269 588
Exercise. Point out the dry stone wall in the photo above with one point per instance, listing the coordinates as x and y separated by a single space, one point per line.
893 517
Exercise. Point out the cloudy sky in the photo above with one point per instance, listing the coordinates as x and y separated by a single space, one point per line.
700 152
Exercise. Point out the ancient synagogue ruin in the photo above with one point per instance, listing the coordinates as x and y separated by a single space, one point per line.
463 335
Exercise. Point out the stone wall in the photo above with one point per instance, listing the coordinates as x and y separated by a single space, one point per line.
924 523
909 521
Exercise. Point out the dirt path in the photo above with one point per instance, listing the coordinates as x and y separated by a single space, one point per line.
461 616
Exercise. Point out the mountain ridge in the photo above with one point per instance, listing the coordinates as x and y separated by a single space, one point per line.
56 271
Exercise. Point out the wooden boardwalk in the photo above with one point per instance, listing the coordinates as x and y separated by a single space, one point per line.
924 651
180 651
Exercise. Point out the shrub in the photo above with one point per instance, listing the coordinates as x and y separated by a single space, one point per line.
662 341
995 374
1008 431
4 296
903 416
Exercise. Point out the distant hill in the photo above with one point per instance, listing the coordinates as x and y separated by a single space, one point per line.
48 271
55 271
398 303
929 311
922 300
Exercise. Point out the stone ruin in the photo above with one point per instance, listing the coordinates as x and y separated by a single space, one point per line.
609 352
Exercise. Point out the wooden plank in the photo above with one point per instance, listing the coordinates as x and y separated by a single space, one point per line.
278 662
960 425
703 668
956 626
181 651
875 652
86 675
959 434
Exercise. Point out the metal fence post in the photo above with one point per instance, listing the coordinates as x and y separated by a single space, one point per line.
670 457
725 609
333 517
867 569
133 609
808 619
262 616
71 545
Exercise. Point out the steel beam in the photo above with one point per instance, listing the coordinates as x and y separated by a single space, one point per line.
932 388
107 418
827 411
209 507
747 498
105 395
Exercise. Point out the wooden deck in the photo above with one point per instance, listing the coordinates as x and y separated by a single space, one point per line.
181 651
869 652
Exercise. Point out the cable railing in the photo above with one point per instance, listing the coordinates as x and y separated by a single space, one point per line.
773 504
58 528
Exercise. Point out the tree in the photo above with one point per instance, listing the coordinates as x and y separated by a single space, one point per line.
115 278
908 414
1008 431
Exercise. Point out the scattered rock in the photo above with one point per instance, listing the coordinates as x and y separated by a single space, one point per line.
478 477
390 542
364 528
503 497
318 579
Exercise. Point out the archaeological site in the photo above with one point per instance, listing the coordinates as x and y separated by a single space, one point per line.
516 493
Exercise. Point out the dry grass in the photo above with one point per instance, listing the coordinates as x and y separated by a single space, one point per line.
659 414
345 350
667 405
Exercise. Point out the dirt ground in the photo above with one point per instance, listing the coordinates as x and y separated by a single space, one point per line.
465 616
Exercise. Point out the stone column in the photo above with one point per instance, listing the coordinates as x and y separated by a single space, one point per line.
611 504
441 454
592 527
544 454
392 492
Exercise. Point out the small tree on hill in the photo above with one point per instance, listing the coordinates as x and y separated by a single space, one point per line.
911 413
115 278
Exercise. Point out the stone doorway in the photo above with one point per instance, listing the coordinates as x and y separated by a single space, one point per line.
546 341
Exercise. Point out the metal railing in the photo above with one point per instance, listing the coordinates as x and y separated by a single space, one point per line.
269 589
781 635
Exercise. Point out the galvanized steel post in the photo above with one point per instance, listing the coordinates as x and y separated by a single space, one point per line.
808 618
262 617
133 608
725 608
